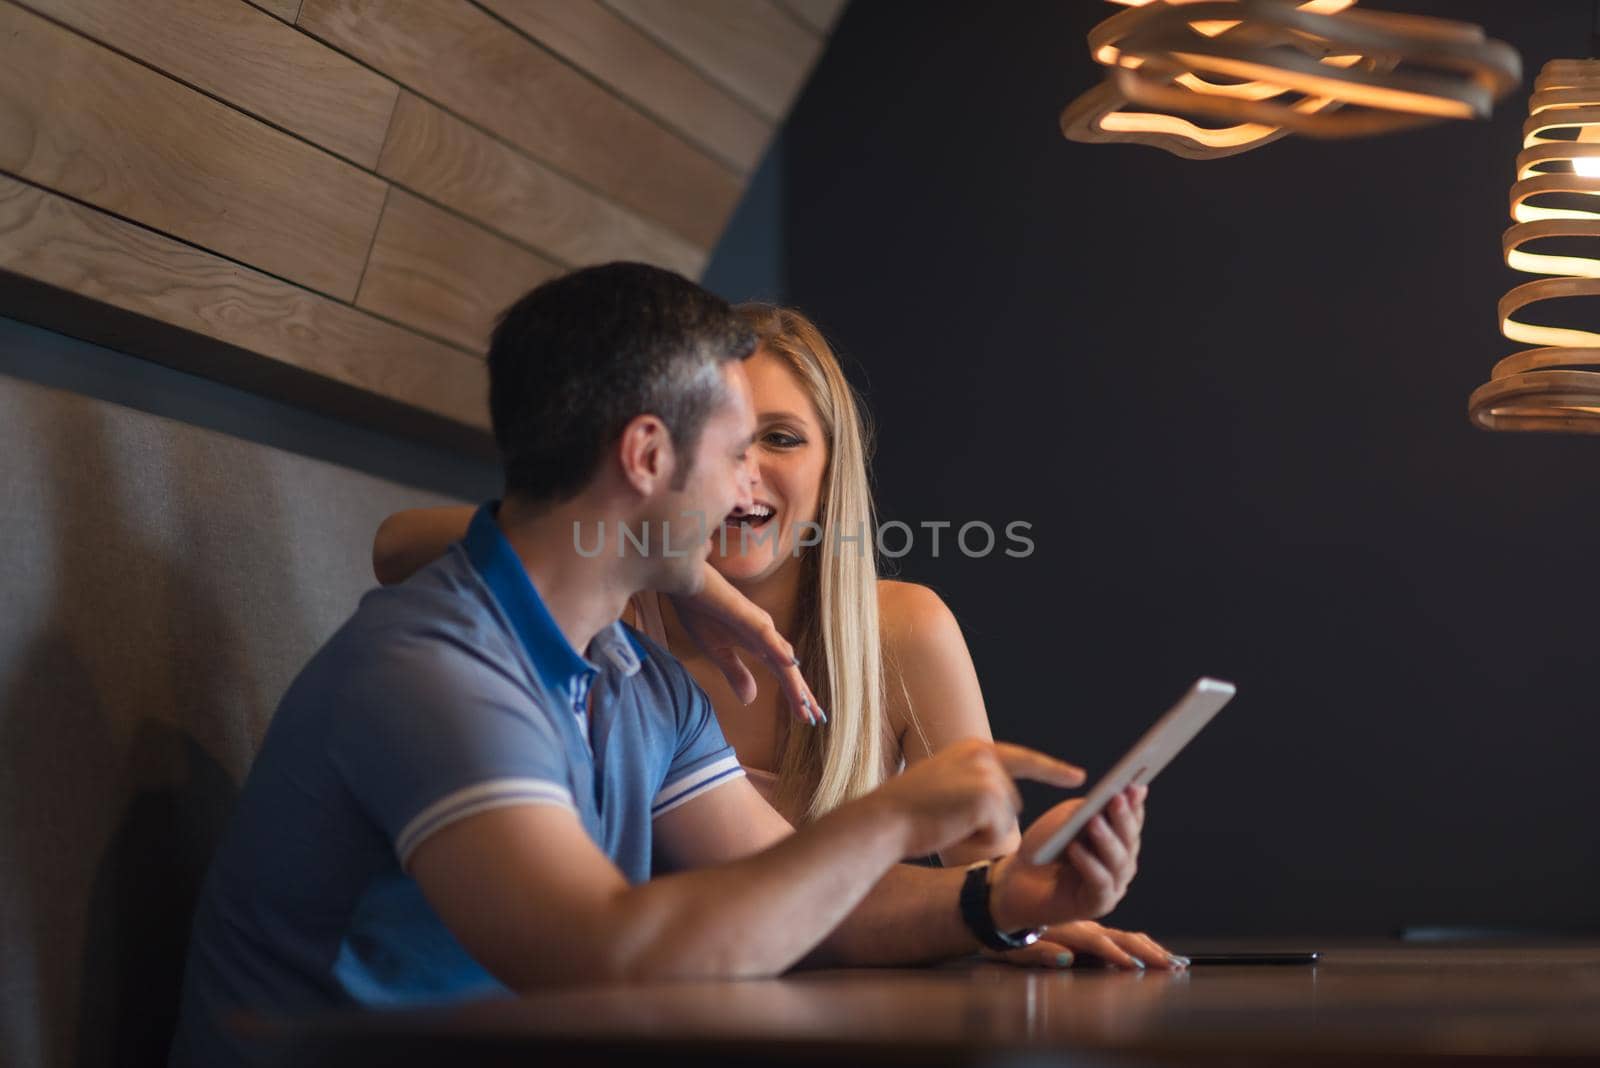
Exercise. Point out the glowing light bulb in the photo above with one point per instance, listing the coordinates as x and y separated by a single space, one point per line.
1588 166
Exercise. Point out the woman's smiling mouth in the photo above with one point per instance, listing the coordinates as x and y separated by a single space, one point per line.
759 515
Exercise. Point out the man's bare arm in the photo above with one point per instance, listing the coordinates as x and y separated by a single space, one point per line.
528 893
911 916
532 898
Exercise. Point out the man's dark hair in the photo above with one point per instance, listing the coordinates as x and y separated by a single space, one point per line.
575 360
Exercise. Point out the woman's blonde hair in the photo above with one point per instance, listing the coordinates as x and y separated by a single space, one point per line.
838 641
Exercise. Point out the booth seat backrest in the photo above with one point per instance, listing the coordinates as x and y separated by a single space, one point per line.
163 583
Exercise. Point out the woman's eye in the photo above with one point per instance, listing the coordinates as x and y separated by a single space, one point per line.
782 440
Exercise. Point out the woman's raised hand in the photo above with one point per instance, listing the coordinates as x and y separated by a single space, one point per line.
722 621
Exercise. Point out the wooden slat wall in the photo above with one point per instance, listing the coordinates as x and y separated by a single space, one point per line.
66 245
589 36
352 190
285 78
284 9
433 153
439 273
103 129
761 52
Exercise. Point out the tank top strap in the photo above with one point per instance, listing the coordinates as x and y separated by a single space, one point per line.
765 782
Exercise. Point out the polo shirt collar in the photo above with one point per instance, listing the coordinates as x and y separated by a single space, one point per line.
553 657
617 646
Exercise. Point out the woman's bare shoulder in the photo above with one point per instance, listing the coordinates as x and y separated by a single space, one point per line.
912 617
927 667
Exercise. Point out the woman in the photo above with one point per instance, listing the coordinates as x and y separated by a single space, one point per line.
886 658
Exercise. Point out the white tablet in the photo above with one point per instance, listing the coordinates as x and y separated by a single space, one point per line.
1145 760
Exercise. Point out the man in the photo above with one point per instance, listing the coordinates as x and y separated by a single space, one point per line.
452 801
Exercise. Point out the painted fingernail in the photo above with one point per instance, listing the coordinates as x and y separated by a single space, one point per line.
1137 963
1063 960
795 660
1181 962
820 714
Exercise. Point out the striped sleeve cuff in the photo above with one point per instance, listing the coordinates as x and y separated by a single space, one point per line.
496 793
697 782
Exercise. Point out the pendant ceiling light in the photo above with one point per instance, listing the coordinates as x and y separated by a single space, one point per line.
1553 200
1261 69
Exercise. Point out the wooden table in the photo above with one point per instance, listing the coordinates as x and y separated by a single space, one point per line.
1376 1002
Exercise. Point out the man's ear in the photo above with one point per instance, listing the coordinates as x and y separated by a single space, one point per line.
645 451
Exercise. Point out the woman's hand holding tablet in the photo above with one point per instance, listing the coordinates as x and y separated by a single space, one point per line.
1093 876
1144 761
1100 833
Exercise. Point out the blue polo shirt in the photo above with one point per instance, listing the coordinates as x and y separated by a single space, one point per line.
446 696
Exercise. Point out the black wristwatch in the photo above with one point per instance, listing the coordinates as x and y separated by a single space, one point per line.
980 921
